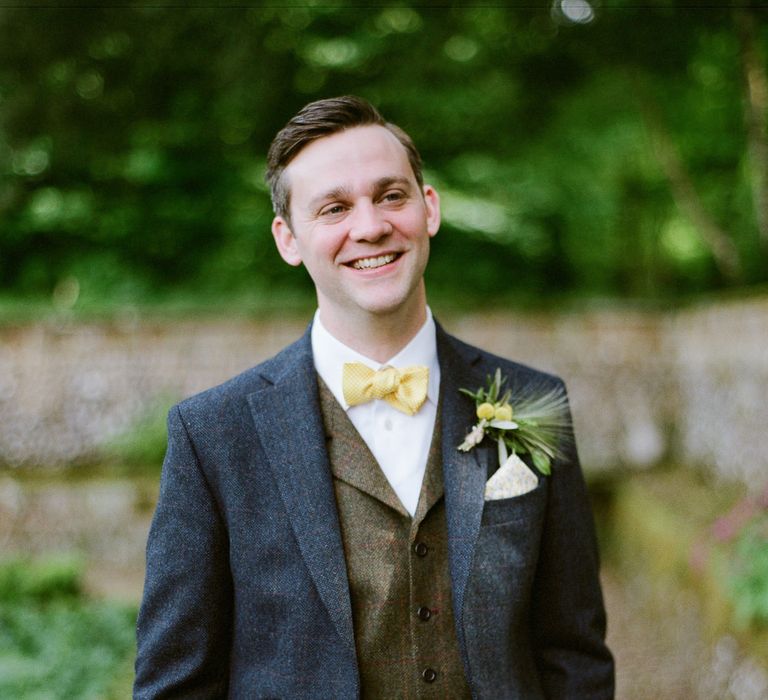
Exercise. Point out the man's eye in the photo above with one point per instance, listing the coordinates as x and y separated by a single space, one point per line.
333 210
393 196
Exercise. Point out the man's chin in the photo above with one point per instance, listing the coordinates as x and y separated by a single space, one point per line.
395 306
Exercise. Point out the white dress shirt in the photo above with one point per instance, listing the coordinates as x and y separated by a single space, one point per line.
400 443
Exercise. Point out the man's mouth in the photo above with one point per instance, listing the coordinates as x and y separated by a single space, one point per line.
371 263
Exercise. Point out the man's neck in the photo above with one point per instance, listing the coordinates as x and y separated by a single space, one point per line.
376 337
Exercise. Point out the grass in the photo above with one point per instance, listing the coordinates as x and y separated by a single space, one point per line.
16 309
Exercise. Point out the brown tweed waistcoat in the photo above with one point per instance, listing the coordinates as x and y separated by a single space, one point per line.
397 567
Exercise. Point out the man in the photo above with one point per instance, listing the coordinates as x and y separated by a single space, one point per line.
312 543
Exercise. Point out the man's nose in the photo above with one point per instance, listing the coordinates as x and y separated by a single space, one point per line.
368 223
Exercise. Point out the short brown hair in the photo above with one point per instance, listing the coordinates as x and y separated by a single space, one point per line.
324 118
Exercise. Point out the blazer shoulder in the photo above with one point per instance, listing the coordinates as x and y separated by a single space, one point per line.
487 362
254 379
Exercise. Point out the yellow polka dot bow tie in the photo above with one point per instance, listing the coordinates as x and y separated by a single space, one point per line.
405 389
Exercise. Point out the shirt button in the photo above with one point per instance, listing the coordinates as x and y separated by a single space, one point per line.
424 613
429 675
420 549
388 424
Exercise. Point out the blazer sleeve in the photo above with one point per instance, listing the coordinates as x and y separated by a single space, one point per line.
568 616
185 620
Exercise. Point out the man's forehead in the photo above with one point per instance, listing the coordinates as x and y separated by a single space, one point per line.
362 157
358 145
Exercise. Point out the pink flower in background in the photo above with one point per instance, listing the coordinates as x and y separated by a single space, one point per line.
727 527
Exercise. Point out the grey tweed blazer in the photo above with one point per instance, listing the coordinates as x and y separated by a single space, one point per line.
246 592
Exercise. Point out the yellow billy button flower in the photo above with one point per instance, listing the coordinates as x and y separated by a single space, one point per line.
503 412
485 411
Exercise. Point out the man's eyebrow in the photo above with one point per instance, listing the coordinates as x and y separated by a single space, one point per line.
385 182
341 192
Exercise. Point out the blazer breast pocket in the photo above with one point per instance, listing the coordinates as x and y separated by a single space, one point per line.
508 547
525 508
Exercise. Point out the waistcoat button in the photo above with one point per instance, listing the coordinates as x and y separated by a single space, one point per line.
421 549
429 675
424 613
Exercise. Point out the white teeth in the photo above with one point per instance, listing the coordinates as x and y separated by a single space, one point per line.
368 263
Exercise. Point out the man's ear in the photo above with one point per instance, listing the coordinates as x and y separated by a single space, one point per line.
285 241
432 203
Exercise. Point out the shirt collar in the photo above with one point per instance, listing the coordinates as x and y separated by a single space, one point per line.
330 355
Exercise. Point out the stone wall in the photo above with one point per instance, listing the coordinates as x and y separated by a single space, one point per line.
688 385
720 359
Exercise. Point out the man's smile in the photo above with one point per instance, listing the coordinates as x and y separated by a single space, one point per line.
374 262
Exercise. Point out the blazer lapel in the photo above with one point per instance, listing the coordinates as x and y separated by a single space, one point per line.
350 458
464 473
289 425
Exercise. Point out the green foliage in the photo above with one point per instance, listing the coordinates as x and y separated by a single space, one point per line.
143 444
54 643
132 144
52 579
748 583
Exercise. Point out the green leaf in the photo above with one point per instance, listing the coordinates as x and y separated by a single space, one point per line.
493 387
516 446
528 422
541 462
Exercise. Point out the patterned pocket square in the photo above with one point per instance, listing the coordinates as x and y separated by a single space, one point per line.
513 478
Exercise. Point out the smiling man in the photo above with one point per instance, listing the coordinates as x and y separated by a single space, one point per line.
319 533
361 222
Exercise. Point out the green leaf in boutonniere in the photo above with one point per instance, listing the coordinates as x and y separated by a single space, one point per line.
534 423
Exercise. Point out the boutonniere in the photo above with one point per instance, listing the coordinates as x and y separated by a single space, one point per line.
534 423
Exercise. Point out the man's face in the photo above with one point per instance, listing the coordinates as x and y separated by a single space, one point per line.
360 223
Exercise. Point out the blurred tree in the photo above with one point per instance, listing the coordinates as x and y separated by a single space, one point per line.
614 151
